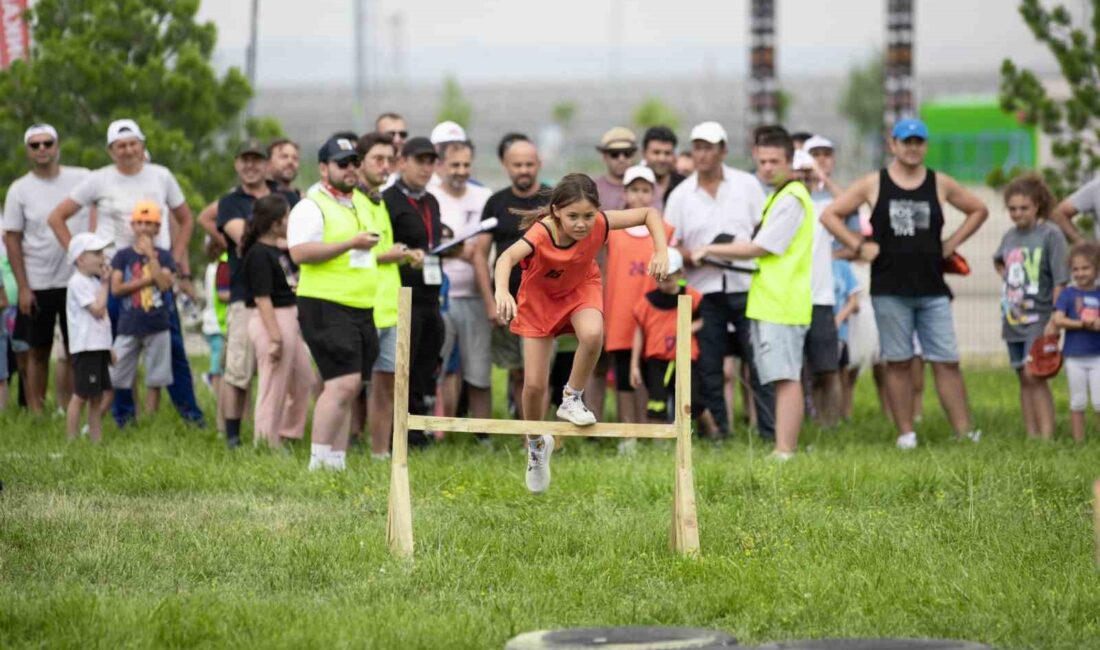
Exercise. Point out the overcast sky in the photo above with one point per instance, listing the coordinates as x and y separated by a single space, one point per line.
488 40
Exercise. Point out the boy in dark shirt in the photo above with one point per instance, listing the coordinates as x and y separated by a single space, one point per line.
141 275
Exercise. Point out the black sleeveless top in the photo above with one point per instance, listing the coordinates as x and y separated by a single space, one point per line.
908 227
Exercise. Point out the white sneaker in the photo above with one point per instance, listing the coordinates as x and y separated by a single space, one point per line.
316 463
975 436
380 457
538 463
907 441
573 410
780 456
628 446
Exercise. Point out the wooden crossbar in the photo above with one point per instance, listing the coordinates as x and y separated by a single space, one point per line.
684 532
525 427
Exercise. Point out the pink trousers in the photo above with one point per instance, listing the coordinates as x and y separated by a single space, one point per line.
286 384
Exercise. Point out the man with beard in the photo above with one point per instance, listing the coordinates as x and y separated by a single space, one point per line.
331 234
461 205
659 154
521 162
282 166
618 147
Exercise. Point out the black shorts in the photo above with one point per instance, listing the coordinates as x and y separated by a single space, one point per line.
845 359
660 383
822 347
341 339
48 310
91 373
622 371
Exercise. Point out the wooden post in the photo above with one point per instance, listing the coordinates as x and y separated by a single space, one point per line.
685 524
399 533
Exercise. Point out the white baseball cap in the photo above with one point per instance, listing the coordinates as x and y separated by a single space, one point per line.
802 160
39 129
639 171
817 142
711 132
675 260
84 242
120 129
448 132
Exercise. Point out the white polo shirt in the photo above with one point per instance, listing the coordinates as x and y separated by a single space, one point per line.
698 218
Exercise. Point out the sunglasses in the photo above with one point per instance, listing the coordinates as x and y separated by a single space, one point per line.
621 153
348 162
46 144
397 134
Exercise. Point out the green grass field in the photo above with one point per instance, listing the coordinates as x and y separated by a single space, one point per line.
162 538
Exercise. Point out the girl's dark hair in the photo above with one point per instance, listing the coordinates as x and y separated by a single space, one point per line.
570 189
1033 187
1089 250
266 212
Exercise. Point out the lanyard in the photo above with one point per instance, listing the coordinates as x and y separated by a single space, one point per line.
425 215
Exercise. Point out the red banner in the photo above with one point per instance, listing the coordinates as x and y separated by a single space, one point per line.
15 37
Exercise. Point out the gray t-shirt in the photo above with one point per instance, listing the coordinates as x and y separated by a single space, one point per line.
30 201
115 194
1035 262
1087 199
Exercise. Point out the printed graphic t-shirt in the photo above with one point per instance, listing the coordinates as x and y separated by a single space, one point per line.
145 311
1035 263
1080 304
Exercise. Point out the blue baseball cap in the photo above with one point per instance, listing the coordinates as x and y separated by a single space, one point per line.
910 128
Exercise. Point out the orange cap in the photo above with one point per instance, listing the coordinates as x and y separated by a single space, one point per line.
148 211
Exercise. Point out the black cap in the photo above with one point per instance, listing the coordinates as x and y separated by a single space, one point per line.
252 147
337 148
418 146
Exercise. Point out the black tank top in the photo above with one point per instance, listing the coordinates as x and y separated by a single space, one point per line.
908 227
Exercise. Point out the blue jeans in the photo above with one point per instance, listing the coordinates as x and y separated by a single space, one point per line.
181 391
898 317
719 311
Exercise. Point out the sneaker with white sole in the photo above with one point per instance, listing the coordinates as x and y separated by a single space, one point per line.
974 436
780 456
538 463
907 441
573 410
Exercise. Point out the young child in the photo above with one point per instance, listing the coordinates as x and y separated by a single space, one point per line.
5 300
283 361
89 334
216 285
845 305
625 283
1077 311
561 291
1032 261
142 273
653 350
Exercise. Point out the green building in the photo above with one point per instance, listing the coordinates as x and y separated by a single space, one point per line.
968 137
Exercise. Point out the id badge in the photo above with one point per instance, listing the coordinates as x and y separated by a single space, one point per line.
433 273
362 259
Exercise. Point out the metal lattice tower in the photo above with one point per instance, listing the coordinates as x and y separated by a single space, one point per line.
898 77
763 87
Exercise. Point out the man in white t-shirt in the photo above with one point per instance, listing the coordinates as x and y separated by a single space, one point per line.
460 205
1085 199
114 190
38 262
718 201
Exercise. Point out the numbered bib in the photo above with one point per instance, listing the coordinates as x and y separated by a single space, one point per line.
362 259
433 273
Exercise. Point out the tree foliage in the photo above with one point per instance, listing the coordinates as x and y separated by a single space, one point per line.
563 113
864 101
654 112
1072 122
93 61
453 105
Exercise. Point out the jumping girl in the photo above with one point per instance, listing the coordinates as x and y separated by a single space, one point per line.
562 292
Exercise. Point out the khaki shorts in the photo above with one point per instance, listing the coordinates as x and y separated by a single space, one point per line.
506 349
240 355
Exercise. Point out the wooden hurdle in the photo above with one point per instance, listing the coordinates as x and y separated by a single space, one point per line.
684 532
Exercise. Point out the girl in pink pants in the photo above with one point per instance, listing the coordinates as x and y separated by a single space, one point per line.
286 376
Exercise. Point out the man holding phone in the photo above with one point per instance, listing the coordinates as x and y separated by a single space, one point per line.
331 234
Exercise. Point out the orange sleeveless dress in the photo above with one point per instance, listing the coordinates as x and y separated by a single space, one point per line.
558 281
